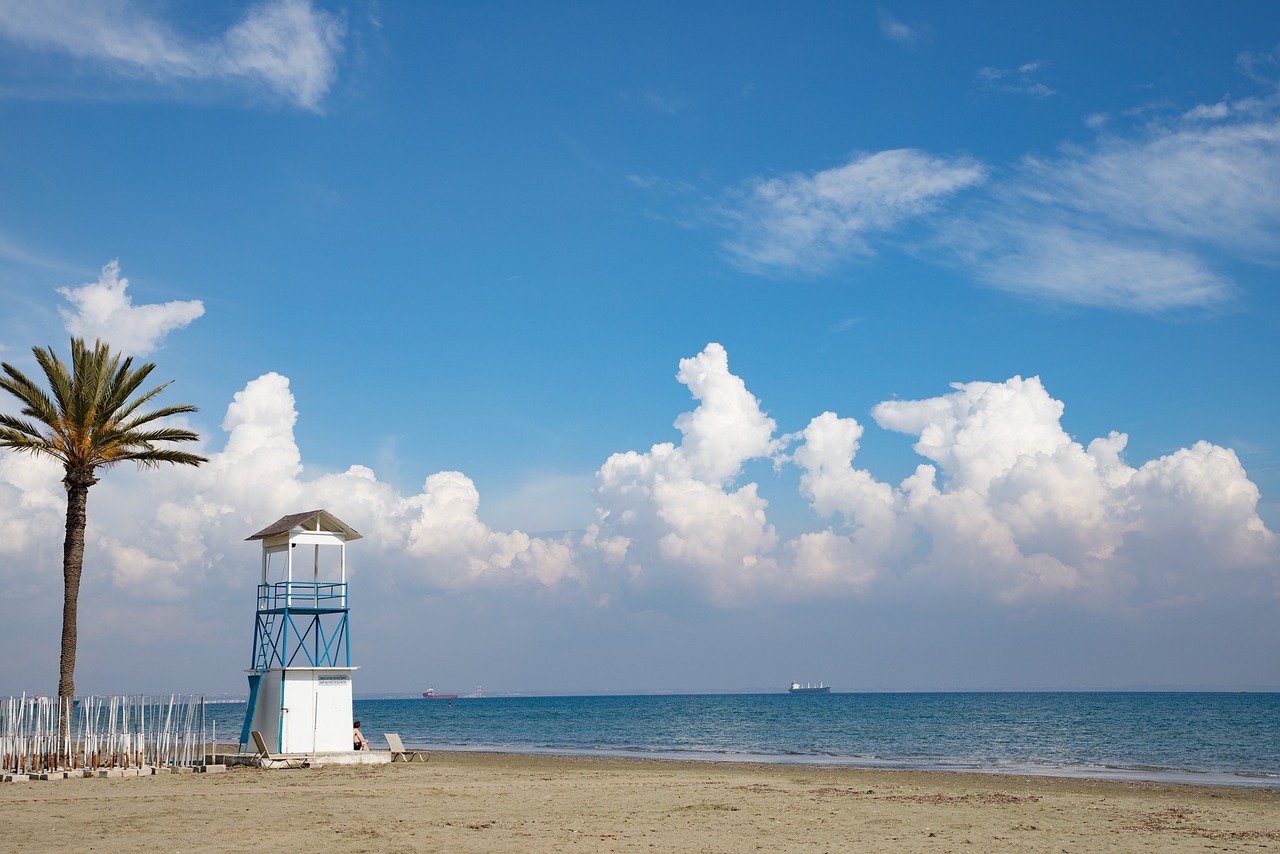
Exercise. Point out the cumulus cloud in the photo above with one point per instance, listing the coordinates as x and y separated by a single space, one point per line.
32 501
1038 514
287 47
104 311
809 223
168 535
1008 506
671 513
435 536
1005 506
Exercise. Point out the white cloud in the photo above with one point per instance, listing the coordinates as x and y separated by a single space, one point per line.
832 485
663 102
288 47
103 310
1198 504
1009 506
809 223
1017 81
1083 266
895 30
1259 66
1032 513
980 431
1005 507
1148 222
434 537
177 534
1208 112
674 507
1134 224
31 500
1215 185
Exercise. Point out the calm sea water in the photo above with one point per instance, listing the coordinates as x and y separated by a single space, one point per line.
1195 737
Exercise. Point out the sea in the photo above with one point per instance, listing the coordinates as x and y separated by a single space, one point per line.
1209 738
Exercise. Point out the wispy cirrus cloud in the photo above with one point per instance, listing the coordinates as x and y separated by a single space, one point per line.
811 222
1260 65
1209 184
897 31
1059 263
1147 220
286 48
660 186
1140 224
1018 81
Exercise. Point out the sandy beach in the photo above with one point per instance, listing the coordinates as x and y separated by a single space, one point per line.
480 802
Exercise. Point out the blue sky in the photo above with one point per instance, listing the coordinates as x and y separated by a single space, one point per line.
666 347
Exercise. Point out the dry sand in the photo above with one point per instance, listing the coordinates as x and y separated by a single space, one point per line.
477 802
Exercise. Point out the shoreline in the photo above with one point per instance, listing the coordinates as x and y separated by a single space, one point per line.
1134 737
1101 773
476 801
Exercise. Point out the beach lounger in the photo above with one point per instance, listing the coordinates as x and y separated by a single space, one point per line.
398 751
267 760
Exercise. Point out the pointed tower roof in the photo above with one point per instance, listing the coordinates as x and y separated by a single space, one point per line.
312 520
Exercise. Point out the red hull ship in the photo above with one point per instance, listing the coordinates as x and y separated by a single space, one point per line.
433 694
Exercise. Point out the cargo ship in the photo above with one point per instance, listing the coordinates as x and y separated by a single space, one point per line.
433 694
809 688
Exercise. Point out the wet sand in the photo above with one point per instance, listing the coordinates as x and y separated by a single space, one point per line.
480 802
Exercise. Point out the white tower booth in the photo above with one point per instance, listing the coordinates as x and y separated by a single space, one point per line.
300 676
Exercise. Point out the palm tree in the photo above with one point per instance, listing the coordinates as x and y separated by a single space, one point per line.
87 421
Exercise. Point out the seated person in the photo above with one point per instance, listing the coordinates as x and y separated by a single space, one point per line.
358 739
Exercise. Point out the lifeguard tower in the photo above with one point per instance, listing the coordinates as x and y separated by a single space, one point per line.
300 674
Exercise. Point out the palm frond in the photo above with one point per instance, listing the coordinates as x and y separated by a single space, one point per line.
59 379
124 382
28 445
37 404
100 369
93 412
155 415
126 409
152 457
167 434
16 426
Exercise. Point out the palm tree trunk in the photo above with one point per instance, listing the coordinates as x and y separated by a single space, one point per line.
72 564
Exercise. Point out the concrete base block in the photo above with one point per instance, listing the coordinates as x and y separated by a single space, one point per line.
16 778
181 769
212 769
110 772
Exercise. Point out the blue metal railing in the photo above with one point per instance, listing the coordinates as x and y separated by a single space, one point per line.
301 624
302 594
